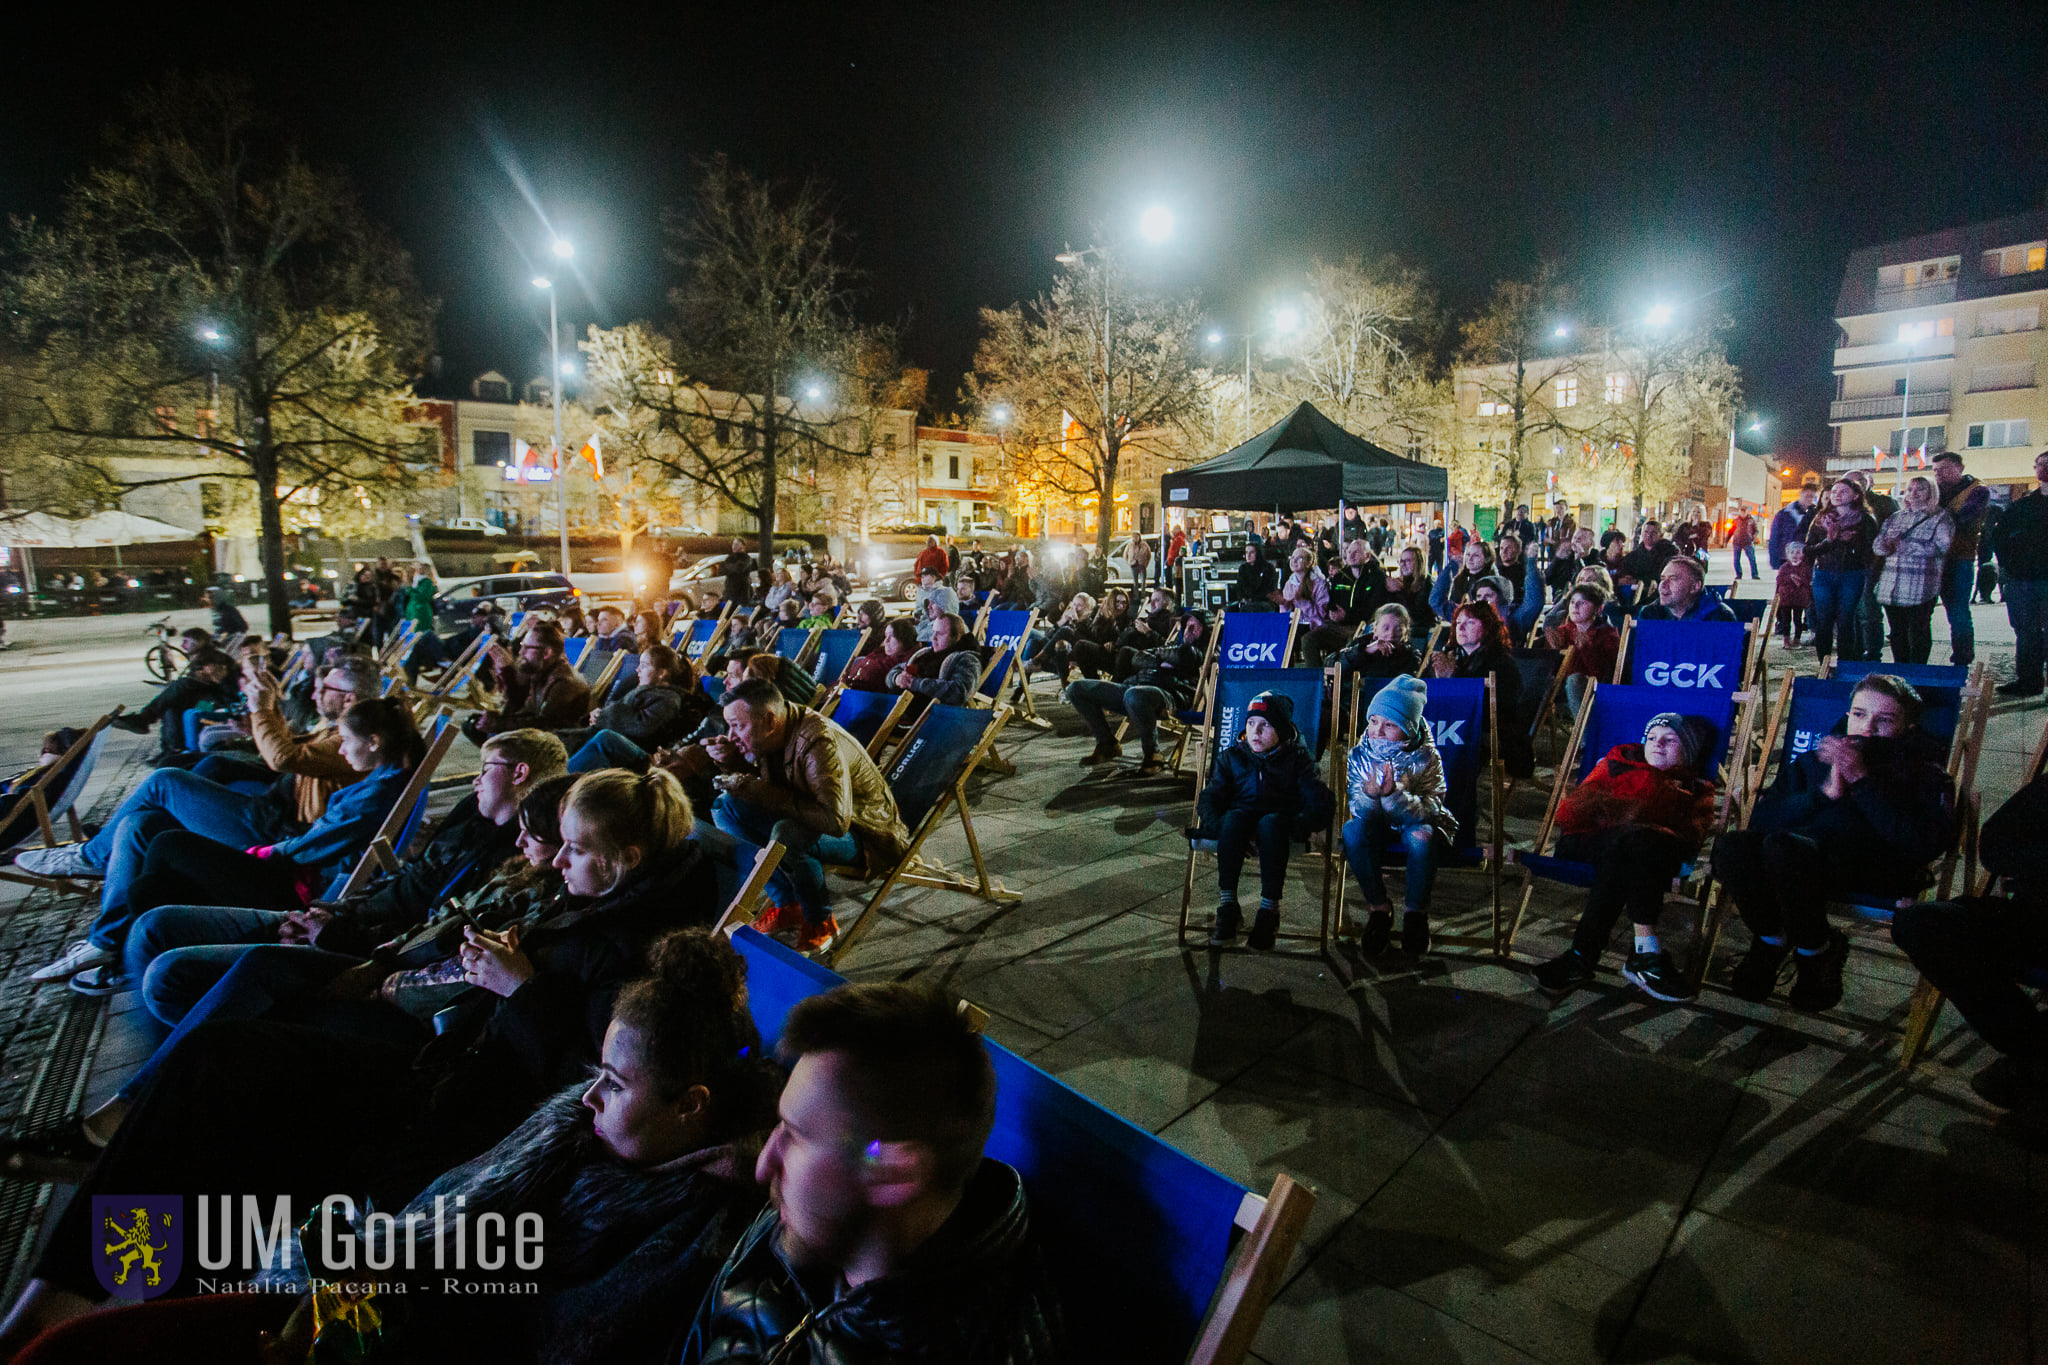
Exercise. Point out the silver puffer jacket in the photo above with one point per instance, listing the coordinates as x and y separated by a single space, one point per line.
1419 798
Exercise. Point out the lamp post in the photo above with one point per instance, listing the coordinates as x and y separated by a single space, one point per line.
563 250
1285 320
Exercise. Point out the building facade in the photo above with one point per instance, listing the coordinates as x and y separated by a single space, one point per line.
1939 347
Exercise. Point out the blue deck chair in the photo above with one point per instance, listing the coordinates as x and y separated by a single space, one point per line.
1751 611
574 650
1463 719
625 677
1221 724
1244 639
697 635
1920 675
714 687
1003 635
1139 1237
402 822
1709 655
928 776
1617 713
870 717
513 621
835 651
792 641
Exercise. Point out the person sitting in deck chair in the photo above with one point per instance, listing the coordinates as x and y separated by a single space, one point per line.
890 1236
1865 811
541 690
947 670
1164 682
789 775
1637 818
1397 790
1265 791
1682 594
206 684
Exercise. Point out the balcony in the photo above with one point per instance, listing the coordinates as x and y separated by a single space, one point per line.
1885 405
1925 350
1920 296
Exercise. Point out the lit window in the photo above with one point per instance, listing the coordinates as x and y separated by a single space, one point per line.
1617 387
1924 330
1568 391
2022 259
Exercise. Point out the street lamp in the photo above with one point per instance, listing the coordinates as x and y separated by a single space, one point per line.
1156 224
562 249
1659 315
1285 320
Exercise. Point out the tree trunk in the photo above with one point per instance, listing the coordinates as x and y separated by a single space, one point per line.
271 519
1105 497
766 517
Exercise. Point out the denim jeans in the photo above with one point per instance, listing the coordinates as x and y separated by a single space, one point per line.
608 749
236 772
1144 705
176 953
1912 633
1958 584
1737 552
171 799
1869 624
1238 832
2026 605
1366 836
801 874
1836 594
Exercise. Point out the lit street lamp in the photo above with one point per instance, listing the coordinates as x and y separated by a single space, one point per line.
563 250
1285 320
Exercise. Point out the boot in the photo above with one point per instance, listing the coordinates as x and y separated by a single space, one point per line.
1265 928
1224 930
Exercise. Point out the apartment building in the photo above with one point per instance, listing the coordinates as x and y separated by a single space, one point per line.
1939 346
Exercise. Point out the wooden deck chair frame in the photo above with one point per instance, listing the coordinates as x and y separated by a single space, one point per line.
915 870
606 676
1700 891
1273 1226
1924 1009
1436 633
1546 710
382 854
808 655
746 902
1205 688
989 690
1973 714
1344 723
1321 938
35 804
456 674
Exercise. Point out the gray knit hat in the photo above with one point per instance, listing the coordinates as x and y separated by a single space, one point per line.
1693 734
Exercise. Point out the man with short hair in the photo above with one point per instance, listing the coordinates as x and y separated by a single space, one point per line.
611 631
2020 541
204 685
1966 500
889 1235
1791 521
1257 581
737 569
1682 594
1647 560
789 775
540 691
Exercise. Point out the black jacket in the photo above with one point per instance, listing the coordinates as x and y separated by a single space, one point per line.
2012 847
976 1293
1357 590
462 854
1257 579
654 716
1174 670
1284 780
2020 539
1890 826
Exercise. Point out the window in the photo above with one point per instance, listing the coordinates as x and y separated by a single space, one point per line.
1568 391
1935 439
490 447
1916 274
1926 329
2027 319
2023 259
1617 387
1989 434
205 421
1492 409
924 463
953 467
494 390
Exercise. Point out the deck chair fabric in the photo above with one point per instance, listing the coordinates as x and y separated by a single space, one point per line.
1708 655
53 791
1921 676
870 717
575 650
1139 1235
1003 634
1254 639
835 651
1817 703
1748 610
791 641
388 845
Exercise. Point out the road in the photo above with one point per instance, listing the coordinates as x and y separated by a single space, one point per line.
71 670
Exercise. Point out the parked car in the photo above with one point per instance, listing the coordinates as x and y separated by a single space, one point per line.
512 591
887 577
473 525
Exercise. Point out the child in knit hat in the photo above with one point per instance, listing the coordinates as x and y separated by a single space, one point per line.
1638 817
1267 791
1396 783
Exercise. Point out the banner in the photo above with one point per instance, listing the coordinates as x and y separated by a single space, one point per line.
1254 639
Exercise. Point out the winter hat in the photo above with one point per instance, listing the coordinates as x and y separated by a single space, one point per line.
1400 701
1693 734
1278 709
948 600
1502 589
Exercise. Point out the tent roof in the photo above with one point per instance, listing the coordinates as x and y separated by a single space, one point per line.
39 530
1301 462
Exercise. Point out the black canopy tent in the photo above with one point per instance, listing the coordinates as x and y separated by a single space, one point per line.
1300 463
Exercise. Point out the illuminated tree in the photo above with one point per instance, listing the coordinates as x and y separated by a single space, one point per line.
1513 348
1659 385
210 269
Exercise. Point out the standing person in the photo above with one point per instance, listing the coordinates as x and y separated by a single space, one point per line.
1638 817
737 569
1454 543
227 617
1742 541
1967 500
1265 792
1869 615
1437 542
419 598
1138 554
1838 542
1792 519
2021 543
934 557
1914 543
1397 789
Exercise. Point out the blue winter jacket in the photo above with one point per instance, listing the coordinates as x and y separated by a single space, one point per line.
334 841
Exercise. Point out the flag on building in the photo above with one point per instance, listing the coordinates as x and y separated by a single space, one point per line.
522 454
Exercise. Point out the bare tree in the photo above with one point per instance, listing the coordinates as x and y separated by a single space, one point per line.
211 270
1659 386
1511 344
1089 370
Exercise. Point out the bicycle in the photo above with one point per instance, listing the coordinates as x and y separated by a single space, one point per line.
164 660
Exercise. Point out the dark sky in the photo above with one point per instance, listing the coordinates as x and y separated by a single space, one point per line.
1733 154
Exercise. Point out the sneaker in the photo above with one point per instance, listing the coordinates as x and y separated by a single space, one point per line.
778 918
1415 932
1818 986
105 979
1567 971
1756 976
2014 689
1657 978
132 723
76 959
65 860
1228 918
1103 753
1377 933
1265 928
816 938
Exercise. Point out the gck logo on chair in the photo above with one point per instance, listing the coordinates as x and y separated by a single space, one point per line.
1685 675
139 1243
1253 653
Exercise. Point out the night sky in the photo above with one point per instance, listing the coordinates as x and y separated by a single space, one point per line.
1730 155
